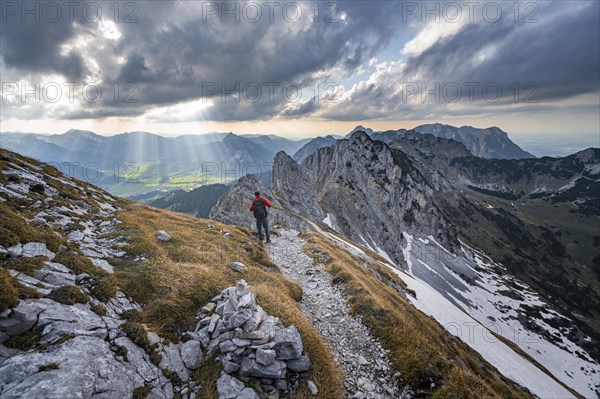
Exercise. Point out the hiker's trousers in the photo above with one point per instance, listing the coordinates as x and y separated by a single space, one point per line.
260 223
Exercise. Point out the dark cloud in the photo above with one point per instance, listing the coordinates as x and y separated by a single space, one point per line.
135 70
559 54
173 52
33 46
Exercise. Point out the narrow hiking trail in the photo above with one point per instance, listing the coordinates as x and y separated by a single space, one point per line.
365 363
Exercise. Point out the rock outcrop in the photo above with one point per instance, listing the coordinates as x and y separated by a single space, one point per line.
66 338
359 187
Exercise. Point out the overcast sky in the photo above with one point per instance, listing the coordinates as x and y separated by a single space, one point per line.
300 68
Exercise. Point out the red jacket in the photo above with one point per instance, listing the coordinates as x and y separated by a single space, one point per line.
266 201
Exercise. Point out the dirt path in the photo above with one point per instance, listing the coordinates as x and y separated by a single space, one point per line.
365 362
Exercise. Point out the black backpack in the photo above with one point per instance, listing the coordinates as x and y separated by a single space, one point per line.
260 209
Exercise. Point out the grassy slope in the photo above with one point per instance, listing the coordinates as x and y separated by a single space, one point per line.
179 277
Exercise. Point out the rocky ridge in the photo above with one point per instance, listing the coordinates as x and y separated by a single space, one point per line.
385 195
312 146
76 349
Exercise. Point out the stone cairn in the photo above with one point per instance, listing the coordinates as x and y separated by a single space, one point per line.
250 344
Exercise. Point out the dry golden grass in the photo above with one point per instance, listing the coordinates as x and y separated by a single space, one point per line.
15 229
420 349
9 294
179 277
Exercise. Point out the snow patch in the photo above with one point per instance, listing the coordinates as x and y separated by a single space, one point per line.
569 185
327 222
406 251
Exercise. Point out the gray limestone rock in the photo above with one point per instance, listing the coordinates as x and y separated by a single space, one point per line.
239 318
171 360
85 366
265 356
237 266
288 343
162 235
191 354
250 368
299 365
229 387
34 249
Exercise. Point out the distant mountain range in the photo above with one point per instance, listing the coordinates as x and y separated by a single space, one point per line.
136 163
491 142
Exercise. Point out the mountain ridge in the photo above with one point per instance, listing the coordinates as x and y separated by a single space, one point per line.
491 142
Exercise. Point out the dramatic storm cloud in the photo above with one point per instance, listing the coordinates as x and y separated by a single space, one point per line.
244 61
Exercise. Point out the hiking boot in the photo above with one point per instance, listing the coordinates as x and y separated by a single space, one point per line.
268 240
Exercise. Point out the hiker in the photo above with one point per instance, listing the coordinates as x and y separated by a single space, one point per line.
259 207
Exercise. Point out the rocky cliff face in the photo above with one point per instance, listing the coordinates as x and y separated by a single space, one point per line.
294 188
359 187
364 190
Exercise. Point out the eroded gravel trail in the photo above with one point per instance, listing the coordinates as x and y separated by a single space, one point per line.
366 365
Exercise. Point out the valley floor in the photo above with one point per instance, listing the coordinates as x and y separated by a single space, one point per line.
366 365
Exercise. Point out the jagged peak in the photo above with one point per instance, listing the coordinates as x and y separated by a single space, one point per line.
360 135
249 179
282 155
590 155
230 136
